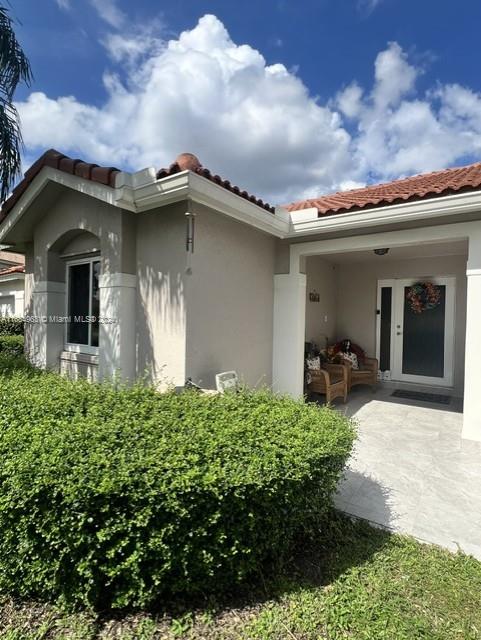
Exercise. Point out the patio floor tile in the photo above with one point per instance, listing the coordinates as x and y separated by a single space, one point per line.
411 472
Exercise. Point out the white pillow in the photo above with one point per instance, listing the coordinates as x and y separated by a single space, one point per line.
314 364
351 358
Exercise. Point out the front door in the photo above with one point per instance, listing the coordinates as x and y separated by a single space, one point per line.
415 330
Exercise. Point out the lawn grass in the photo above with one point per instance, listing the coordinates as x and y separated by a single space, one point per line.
366 584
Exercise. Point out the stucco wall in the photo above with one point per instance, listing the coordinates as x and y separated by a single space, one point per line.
161 315
74 212
59 227
356 305
217 318
12 297
83 243
230 301
321 316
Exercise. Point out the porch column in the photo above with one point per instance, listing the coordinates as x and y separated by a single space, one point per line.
289 333
20 303
472 372
117 352
44 335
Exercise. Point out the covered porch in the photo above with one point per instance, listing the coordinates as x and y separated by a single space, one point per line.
411 471
363 296
336 288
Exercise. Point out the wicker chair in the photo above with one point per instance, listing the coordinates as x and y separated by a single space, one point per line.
366 374
368 367
331 381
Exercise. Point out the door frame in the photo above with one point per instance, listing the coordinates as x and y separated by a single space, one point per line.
397 316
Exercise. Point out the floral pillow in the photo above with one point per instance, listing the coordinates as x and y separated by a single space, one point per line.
314 364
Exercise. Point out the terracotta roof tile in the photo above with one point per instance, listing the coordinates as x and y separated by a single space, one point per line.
57 160
106 175
20 268
187 161
420 187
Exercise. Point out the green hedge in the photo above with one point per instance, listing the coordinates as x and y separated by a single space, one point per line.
11 345
117 497
11 326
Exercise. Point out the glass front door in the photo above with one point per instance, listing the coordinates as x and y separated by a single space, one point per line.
416 330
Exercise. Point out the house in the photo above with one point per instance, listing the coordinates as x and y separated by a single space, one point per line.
12 280
178 273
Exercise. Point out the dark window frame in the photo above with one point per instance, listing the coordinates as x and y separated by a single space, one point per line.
82 347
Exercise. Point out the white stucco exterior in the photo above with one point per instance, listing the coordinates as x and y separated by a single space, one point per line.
198 280
12 295
12 284
467 319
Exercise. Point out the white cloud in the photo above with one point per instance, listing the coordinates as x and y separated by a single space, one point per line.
254 123
110 12
135 45
401 133
394 77
107 10
350 100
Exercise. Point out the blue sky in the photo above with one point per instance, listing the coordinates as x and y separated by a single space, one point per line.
288 98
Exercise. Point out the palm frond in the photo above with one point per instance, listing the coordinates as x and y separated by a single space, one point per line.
14 68
14 65
10 143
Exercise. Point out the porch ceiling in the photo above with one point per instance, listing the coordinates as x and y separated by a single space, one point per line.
454 248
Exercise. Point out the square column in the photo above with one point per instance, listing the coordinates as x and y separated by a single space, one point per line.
44 337
20 303
472 373
118 303
289 333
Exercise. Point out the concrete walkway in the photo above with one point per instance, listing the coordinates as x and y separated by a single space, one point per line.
412 472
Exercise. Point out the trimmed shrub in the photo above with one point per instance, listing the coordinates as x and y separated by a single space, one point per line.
11 345
115 497
11 326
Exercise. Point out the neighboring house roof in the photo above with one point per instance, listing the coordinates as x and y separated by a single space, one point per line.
11 258
107 175
10 270
420 187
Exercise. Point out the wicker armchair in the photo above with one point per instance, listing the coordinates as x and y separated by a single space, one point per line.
366 374
331 381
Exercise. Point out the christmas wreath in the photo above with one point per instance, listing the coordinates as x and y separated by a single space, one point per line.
423 296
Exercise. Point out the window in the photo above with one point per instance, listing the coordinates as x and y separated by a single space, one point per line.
83 303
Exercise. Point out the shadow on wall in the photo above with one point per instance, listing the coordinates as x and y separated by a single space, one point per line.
161 322
46 340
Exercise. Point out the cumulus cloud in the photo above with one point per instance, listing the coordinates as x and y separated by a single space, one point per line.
399 133
133 46
349 101
252 122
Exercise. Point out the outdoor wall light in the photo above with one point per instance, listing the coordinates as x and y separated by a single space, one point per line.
381 252
189 239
